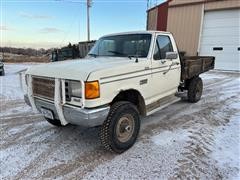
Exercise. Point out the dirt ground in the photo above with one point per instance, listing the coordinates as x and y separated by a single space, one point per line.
182 141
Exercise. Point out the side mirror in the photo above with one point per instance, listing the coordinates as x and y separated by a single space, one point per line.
171 55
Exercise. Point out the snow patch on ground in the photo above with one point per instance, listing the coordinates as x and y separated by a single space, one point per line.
236 105
154 158
227 146
213 75
169 137
10 88
16 110
16 158
16 130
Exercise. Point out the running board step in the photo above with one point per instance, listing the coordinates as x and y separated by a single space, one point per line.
162 103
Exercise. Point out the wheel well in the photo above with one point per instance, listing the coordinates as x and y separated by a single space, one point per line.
134 97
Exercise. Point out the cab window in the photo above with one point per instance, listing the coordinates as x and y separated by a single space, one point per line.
163 45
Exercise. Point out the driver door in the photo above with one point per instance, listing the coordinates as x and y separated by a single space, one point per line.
165 76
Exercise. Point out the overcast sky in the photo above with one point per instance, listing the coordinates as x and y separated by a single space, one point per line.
54 23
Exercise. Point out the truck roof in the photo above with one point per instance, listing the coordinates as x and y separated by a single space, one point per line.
137 32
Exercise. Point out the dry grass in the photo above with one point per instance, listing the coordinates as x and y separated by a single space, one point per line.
15 58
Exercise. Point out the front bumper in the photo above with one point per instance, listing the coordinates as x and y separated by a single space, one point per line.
74 115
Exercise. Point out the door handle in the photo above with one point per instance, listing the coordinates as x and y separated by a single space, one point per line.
168 68
176 63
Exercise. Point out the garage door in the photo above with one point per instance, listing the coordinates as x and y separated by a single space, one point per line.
221 38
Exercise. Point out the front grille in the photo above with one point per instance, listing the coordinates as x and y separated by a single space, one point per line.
43 87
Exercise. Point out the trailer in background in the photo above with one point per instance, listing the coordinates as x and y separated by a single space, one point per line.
75 51
85 47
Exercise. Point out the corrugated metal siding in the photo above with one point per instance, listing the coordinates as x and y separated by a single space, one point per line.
184 20
210 4
184 23
162 17
181 2
217 5
152 19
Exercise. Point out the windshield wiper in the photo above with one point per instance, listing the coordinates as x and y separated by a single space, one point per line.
134 56
116 52
92 54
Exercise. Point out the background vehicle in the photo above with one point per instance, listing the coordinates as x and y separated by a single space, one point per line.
2 71
79 50
125 76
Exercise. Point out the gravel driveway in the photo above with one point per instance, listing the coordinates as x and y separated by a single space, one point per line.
182 141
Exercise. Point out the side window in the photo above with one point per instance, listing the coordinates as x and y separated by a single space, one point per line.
163 45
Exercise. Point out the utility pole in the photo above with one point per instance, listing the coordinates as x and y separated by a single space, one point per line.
148 5
89 5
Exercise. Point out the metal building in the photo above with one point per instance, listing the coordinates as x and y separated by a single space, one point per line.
202 27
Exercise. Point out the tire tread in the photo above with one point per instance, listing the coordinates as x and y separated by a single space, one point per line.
192 89
105 128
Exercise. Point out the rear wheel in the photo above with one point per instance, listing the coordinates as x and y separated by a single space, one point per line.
120 130
54 122
195 89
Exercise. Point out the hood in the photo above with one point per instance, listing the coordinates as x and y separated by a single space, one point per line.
78 69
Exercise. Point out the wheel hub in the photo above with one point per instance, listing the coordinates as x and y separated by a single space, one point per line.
125 128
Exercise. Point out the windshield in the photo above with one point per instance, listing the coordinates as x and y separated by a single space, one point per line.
122 45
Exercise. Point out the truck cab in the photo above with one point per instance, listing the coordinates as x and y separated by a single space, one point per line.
125 76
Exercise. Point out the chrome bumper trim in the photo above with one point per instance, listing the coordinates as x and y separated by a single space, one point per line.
78 116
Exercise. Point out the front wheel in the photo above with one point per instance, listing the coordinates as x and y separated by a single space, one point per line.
120 130
195 89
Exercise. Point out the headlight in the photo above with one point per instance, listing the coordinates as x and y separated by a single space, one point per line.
73 89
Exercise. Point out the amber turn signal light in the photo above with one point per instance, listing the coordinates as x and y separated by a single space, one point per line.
92 90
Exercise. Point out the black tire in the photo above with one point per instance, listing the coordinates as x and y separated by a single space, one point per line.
195 89
120 111
54 122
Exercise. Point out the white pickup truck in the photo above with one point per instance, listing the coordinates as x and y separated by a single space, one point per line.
124 76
